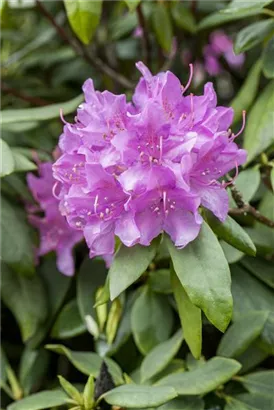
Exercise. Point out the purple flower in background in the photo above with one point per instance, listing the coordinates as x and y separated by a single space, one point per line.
55 234
134 170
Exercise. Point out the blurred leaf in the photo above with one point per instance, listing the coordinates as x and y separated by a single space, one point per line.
26 299
231 232
204 273
133 396
71 390
248 401
232 254
239 5
252 35
21 162
204 379
259 132
160 19
248 183
151 320
159 281
18 128
251 358
132 4
268 63
114 317
87 362
7 163
184 403
42 400
69 322
160 356
84 17
123 25
247 93
218 19
33 367
41 113
272 178
183 17
261 268
128 265
190 316
263 243
267 209
241 334
88 393
3 363
261 383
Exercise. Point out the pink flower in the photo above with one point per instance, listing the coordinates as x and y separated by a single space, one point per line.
55 234
136 170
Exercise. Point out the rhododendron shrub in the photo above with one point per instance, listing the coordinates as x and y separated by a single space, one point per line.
137 216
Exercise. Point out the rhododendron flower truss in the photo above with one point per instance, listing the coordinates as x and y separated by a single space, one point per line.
137 169
55 234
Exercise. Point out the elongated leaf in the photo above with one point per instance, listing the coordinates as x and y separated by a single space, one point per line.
252 35
41 113
128 265
217 19
183 17
233 403
132 4
26 299
204 273
248 92
42 400
259 132
247 401
260 268
133 396
231 232
232 254
87 362
159 357
184 403
7 163
84 17
268 63
237 5
203 379
151 320
241 334
33 367
69 322
160 19
248 183
190 316
251 358
261 383
267 209
159 281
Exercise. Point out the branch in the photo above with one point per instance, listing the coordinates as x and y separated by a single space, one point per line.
245 208
33 100
94 61
145 36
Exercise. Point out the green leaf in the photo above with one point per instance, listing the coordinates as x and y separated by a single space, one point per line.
239 5
248 401
184 403
159 281
7 164
204 379
252 35
26 299
87 362
190 316
151 320
88 393
261 383
160 19
84 17
133 396
264 243
132 4
128 265
251 358
71 390
272 177
248 183
217 19
41 113
241 334
247 93
33 367
183 17
204 273
268 63
159 357
231 232
259 132
232 254
69 322
235 404
39 401
113 320
267 209
21 162
261 268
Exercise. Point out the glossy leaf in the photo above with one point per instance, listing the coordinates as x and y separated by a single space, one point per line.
160 19
159 281
183 17
151 320
204 273
133 396
231 232
7 163
184 403
241 334
260 268
247 93
217 19
41 400
204 379
87 362
268 64
159 357
259 131
236 5
190 317
84 17
252 35
128 265
248 183
69 322
261 383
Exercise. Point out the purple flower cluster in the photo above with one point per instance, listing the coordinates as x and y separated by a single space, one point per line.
137 169
55 234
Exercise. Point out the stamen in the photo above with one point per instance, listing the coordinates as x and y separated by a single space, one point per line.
95 204
231 182
161 149
164 200
62 116
242 127
54 190
190 78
